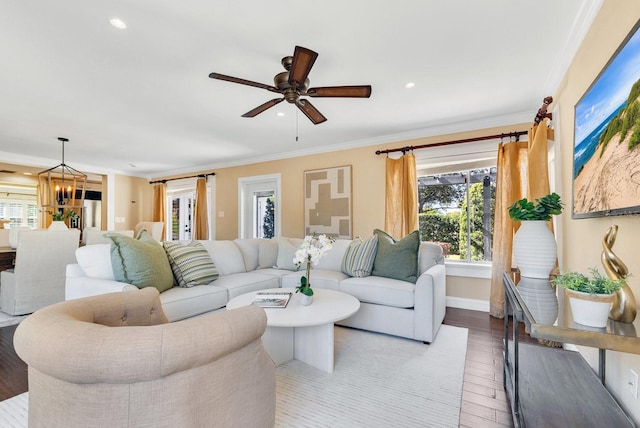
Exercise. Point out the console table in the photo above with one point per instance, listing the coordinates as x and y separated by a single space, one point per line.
552 387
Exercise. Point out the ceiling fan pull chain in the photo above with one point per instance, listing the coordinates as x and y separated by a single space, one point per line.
296 126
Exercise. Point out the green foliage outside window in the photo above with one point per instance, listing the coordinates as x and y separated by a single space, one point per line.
476 216
439 227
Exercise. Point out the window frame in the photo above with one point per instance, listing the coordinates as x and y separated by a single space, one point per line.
455 158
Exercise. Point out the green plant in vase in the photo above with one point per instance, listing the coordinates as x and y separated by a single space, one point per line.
596 283
62 215
541 209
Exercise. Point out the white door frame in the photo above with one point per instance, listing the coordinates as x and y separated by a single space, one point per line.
250 184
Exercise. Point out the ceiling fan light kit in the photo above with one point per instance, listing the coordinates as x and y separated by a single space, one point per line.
294 84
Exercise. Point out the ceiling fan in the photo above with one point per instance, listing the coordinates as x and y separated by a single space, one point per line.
294 84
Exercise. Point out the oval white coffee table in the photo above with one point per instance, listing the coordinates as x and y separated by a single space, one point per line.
303 332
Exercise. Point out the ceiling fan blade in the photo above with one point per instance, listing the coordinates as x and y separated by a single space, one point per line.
310 111
303 60
256 111
341 91
243 81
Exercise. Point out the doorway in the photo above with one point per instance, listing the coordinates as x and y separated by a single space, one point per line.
259 206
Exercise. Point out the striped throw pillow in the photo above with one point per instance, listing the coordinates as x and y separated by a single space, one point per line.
359 257
191 263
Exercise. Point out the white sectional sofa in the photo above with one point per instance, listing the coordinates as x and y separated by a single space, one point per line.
391 306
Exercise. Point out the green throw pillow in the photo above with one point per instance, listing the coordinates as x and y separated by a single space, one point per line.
191 263
141 262
359 257
397 259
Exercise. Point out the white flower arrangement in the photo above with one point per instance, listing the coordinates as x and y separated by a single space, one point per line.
313 248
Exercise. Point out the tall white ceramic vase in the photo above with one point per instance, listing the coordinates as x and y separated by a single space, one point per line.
534 249
540 298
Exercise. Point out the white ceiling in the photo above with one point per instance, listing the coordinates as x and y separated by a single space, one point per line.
142 96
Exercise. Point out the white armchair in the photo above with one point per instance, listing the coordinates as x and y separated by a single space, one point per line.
38 278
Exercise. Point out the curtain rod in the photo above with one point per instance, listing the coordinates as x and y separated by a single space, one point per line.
180 178
542 114
406 149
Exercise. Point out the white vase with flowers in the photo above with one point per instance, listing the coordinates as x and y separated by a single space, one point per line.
313 248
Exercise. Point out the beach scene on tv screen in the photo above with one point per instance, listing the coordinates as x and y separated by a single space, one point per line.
606 156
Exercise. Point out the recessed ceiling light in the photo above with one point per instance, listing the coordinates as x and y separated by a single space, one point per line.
409 85
118 23
280 114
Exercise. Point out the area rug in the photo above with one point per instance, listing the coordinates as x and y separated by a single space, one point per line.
378 381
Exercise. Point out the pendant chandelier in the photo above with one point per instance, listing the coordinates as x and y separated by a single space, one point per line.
62 189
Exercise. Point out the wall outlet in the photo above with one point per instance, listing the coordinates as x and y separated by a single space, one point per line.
633 384
220 214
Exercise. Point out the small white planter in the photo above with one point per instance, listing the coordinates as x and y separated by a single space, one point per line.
305 300
590 309
58 225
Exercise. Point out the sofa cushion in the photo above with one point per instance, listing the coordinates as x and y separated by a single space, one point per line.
429 254
380 291
250 248
141 261
95 261
267 253
226 255
246 282
359 257
191 263
332 260
180 303
328 279
286 253
397 259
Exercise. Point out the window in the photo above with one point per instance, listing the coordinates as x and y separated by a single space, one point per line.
456 209
456 194
19 206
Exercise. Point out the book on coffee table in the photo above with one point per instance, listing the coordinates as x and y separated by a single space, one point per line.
272 299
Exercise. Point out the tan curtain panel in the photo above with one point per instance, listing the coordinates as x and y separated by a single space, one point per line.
160 205
201 219
522 172
401 201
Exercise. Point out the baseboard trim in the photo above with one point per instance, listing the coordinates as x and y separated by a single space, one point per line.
471 304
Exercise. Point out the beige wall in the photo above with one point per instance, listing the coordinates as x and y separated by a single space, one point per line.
368 183
133 201
582 238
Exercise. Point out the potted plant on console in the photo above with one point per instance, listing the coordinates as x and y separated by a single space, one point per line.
58 218
313 248
590 296
534 246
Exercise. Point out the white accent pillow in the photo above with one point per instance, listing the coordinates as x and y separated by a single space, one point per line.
286 253
95 261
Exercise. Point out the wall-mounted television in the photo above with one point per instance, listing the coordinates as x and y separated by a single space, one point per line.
606 147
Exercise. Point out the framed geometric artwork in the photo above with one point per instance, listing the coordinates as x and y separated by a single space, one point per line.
327 202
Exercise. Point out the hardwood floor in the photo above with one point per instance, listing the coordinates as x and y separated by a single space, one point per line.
484 402
13 371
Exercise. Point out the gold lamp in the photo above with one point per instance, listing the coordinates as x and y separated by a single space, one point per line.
62 189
